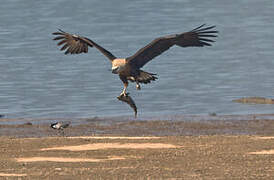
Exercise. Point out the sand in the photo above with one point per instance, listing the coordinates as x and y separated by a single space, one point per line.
98 146
11 175
140 150
63 159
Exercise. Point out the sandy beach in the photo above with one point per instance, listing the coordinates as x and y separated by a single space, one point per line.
139 149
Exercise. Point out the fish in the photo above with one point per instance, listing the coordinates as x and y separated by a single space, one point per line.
127 99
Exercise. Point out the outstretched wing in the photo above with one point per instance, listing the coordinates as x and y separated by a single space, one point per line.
197 37
75 44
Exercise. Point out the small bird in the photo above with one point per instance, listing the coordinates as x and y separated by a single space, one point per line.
59 126
129 69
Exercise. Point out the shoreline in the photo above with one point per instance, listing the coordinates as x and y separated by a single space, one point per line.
252 124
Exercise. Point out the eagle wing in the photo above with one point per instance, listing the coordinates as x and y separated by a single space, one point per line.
197 37
75 44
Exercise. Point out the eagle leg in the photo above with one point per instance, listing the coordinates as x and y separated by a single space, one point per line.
125 82
124 92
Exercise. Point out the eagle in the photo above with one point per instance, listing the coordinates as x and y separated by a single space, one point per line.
129 69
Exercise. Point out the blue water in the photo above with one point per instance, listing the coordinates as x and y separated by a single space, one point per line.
39 81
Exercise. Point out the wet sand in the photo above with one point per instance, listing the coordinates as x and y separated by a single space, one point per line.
140 149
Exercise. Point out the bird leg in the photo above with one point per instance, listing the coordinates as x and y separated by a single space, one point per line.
124 92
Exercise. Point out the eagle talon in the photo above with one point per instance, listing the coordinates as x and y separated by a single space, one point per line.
123 94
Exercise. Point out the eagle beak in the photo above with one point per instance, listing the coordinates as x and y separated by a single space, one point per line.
115 70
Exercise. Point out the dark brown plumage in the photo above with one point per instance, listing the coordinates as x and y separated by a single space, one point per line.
197 37
76 44
129 68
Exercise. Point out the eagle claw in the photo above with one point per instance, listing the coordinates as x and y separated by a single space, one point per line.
123 95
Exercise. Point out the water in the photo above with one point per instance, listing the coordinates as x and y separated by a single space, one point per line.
38 81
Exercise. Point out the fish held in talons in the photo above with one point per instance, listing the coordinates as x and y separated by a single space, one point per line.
127 99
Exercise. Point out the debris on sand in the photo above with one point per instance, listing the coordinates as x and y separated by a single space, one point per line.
127 99
28 124
255 100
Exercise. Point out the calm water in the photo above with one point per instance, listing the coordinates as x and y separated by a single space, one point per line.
38 81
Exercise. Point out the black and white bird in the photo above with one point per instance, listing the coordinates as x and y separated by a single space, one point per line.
59 125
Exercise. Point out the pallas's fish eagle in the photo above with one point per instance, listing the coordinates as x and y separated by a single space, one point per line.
129 69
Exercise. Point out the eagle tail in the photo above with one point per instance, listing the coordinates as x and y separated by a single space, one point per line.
146 77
